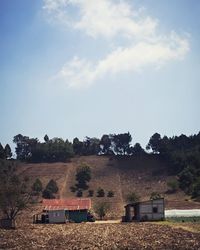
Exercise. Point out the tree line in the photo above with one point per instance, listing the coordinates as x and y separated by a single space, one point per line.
183 155
57 149
181 152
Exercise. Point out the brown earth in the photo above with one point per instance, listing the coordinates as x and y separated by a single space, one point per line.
122 175
98 236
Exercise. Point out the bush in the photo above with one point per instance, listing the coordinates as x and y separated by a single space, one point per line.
155 195
101 209
47 194
196 190
90 193
52 186
110 193
73 189
37 186
132 198
173 186
79 193
100 192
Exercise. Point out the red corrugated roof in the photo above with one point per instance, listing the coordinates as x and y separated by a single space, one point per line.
67 204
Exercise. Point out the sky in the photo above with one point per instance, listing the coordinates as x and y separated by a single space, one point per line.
76 68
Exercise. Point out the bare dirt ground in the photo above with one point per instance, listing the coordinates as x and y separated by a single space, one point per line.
99 236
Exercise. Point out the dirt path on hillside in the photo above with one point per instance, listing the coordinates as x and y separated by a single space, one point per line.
120 188
63 191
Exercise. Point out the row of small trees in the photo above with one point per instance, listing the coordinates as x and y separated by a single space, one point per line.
50 190
99 193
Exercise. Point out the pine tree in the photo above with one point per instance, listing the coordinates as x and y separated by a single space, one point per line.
8 152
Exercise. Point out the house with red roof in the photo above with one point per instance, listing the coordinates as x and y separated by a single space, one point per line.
64 210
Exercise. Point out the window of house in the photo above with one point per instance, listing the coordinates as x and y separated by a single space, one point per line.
155 209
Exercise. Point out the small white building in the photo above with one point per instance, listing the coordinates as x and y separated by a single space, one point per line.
56 216
152 210
63 210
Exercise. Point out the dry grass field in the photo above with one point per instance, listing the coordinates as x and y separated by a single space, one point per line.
121 175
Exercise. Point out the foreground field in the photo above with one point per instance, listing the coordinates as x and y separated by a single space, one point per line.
99 236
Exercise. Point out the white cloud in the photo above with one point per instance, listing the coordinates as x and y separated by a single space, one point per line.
98 18
113 19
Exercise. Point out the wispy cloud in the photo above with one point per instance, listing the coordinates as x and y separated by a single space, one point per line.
112 20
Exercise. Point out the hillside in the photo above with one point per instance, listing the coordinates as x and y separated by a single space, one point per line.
119 174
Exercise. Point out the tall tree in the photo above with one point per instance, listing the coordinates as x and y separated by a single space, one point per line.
46 138
105 144
83 176
154 143
37 186
137 149
122 143
8 152
24 146
91 146
77 146
2 152
15 195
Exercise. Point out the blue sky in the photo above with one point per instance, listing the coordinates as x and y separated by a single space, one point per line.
85 68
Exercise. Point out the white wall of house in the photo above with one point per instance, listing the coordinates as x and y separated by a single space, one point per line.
152 210
57 216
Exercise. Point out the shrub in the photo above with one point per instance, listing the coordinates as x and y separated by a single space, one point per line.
37 186
155 195
73 189
79 193
196 190
47 194
173 186
101 209
100 192
90 193
132 198
83 175
52 186
110 193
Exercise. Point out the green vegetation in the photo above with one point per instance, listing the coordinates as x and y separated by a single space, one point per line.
52 150
50 190
132 198
5 153
83 176
155 195
47 194
79 193
37 186
110 194
173 186
100 192
15 195
52 186
184 219
90 193
196 190
181 153
101 209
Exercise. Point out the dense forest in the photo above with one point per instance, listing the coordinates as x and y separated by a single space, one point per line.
181 152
